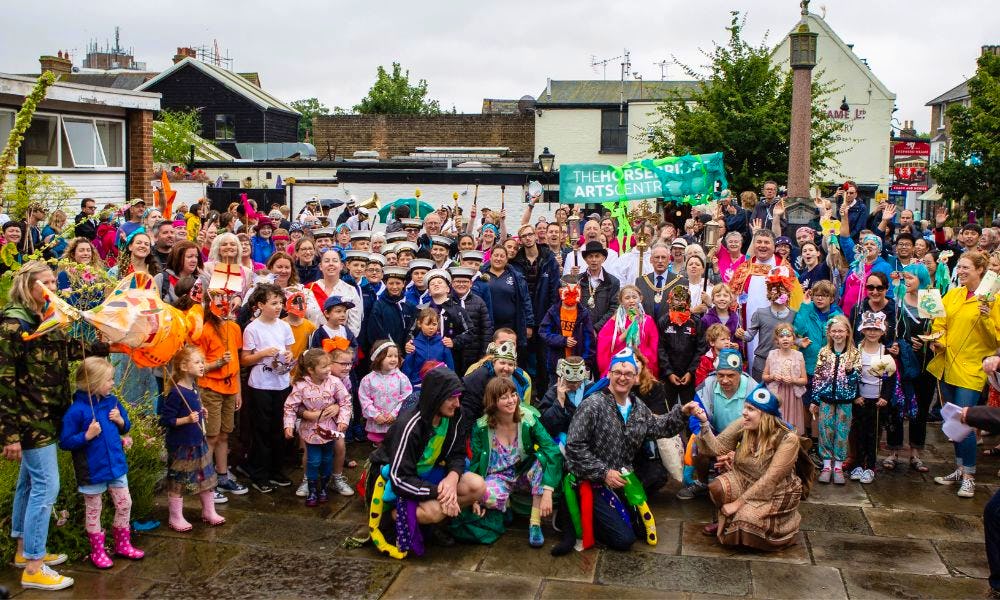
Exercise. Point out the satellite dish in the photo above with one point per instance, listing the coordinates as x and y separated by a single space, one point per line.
535 190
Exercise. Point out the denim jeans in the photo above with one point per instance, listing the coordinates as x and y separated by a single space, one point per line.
965 451
319 460
36 492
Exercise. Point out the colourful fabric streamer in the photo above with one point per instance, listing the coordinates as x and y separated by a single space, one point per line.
587 513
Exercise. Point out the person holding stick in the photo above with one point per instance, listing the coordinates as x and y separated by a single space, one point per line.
189 462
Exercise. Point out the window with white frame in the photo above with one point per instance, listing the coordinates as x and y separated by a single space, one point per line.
6 124
41 142
69 142
941 115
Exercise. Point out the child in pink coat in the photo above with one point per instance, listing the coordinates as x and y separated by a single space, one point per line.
323 405
383 391
631 326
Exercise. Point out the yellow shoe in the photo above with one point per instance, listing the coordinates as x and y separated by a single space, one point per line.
50 560
45 579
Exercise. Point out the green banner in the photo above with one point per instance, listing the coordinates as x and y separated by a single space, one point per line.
691 178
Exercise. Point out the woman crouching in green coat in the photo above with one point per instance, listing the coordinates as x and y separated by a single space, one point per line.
512 451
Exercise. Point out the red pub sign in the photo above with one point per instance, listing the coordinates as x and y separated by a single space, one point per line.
910 161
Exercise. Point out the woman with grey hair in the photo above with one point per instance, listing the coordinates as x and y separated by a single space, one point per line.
225 267
729 256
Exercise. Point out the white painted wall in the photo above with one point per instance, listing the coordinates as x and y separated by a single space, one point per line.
573 135
435 195
865 156
641 116
259 175
105 188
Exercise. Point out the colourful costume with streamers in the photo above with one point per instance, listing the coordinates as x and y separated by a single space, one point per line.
414 457
605 435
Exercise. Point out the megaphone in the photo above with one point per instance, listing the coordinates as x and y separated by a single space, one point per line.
370 203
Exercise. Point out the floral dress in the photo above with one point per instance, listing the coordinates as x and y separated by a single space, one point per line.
502 478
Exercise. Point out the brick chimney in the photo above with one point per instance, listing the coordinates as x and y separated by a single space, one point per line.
995 50
908 130
183 53
59 65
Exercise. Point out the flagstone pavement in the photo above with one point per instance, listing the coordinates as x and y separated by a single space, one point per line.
901 537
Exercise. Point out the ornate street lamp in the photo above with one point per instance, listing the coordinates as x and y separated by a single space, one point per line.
546 160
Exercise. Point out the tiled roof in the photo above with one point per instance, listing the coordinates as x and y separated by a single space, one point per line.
959 92
609 92
229 79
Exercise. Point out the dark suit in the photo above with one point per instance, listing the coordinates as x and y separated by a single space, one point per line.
605 298
646 286
86 227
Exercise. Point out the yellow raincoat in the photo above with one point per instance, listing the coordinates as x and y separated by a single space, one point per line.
969 337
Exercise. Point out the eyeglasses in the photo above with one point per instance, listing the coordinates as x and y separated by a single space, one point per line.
622 374
343 363
875 288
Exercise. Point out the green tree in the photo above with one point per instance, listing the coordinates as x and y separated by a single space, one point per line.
310 108
392 94
972 171
173 135
743 107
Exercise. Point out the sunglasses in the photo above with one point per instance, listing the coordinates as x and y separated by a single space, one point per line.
875 288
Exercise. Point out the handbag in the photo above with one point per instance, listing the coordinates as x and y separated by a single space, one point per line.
671 451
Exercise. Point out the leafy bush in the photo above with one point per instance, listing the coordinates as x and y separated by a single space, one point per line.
145 471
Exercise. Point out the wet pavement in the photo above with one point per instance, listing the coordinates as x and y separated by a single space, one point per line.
901 537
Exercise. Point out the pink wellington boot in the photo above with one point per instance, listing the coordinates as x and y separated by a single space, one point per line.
177 522
123 544
98 555
208 513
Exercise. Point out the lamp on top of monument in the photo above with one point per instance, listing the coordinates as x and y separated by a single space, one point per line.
546 160
803 42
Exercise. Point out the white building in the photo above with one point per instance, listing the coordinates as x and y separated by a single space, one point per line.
96 140
862 101
605 122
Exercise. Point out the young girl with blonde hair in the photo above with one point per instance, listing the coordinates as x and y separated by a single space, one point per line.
631 327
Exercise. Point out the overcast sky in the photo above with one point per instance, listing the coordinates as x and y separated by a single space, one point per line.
469 50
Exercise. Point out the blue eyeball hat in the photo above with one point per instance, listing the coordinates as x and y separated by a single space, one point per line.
763 400
730 360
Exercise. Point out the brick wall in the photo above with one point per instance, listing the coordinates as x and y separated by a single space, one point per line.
396 135
140 154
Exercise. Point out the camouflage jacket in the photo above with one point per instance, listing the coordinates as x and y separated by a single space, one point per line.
35 389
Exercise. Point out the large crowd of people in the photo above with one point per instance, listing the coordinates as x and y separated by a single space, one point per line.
545 367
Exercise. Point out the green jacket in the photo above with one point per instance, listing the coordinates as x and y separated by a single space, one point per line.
535 443
35 388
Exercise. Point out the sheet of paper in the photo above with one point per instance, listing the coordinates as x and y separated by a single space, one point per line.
929 304
952 426
988 285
